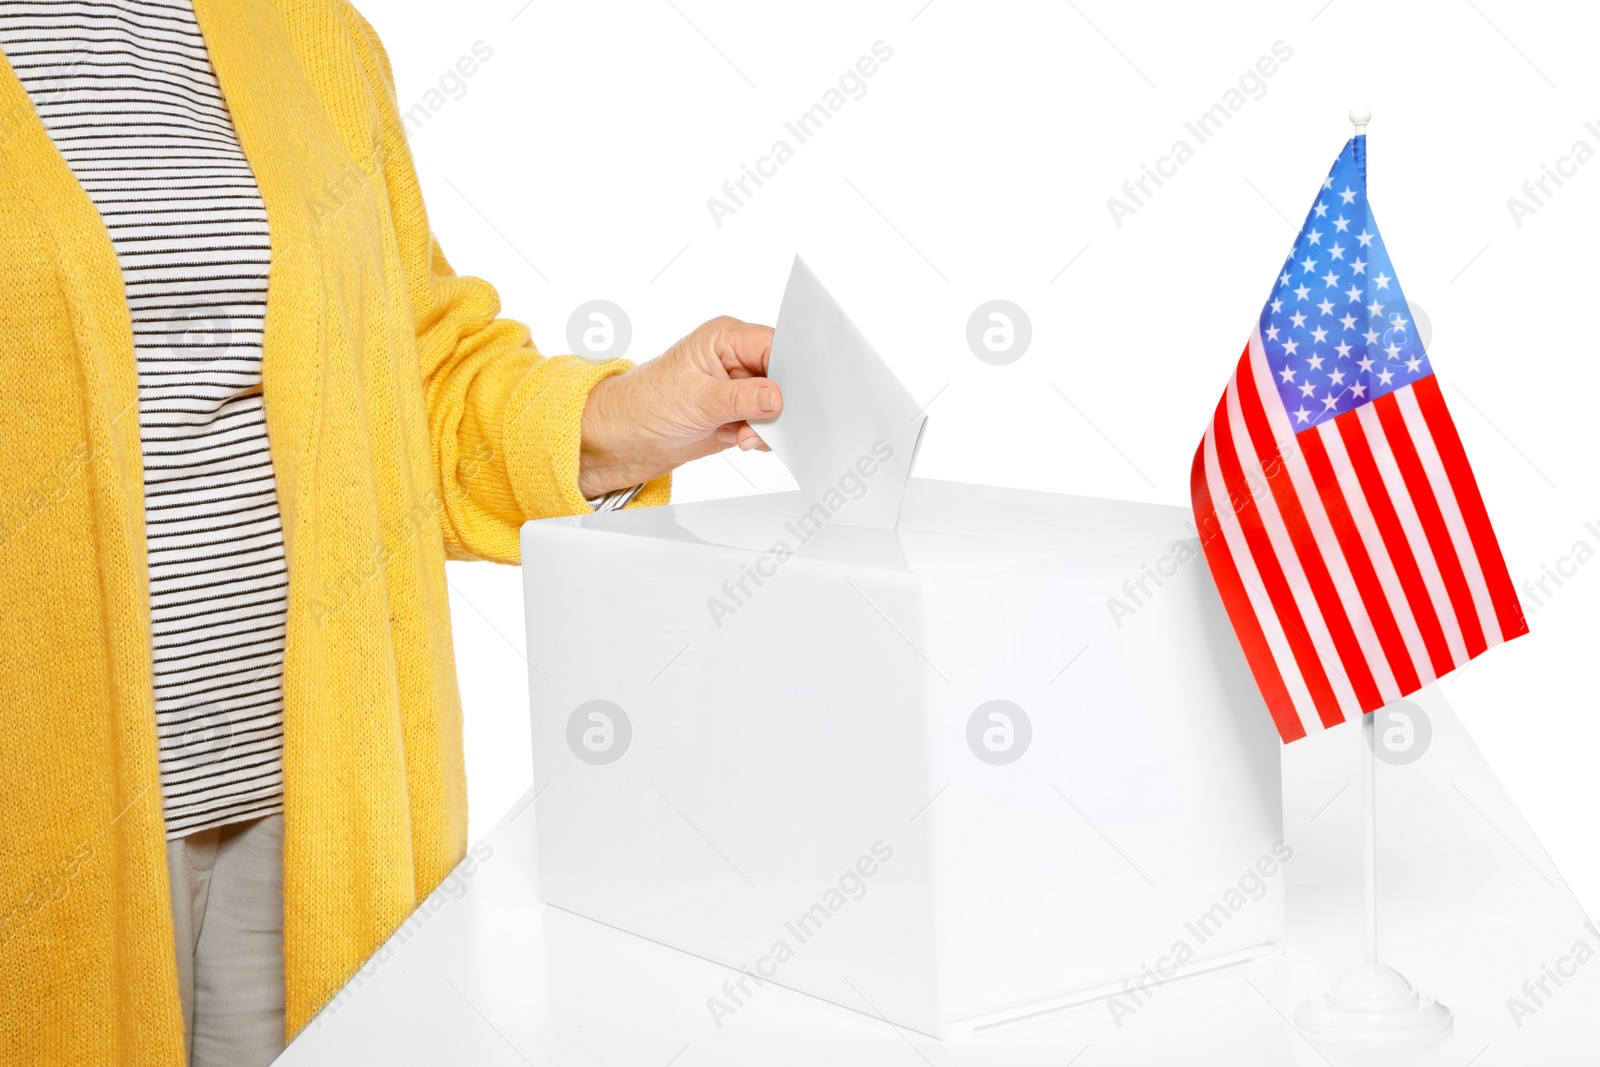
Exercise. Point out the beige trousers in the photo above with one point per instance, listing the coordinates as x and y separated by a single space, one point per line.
227 918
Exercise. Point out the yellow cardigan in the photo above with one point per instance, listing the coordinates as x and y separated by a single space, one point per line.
407 424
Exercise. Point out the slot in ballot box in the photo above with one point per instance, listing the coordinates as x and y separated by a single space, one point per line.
1002 757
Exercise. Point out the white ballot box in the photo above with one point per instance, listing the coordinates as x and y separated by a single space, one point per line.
1003 757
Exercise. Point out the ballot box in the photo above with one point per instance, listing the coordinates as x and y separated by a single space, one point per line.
1003 757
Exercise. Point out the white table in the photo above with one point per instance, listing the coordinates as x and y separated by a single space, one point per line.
1471 909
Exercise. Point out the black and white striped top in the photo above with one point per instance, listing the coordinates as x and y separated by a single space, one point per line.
126 90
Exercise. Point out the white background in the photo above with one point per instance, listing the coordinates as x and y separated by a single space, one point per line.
576 164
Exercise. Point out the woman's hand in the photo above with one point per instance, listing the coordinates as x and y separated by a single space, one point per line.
696 398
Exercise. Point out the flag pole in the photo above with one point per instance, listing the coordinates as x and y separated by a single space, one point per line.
1369 804
1359 117
1372 1003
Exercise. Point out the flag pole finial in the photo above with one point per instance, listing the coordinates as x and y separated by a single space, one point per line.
1360 116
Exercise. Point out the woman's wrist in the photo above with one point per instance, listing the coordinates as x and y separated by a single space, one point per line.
602 464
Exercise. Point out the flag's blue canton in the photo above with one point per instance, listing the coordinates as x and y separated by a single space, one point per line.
1337 331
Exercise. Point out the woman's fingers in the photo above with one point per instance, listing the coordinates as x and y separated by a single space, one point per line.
739 400
741 434
743 348
748 439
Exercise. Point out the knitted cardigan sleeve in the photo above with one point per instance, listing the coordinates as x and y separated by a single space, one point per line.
504 420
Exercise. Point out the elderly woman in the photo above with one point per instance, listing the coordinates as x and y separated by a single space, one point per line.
250 411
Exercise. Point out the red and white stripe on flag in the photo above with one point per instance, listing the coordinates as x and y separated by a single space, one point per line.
1355 557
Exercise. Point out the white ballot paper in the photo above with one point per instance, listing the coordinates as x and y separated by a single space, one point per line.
849 431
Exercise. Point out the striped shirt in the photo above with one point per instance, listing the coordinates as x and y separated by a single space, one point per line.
126 91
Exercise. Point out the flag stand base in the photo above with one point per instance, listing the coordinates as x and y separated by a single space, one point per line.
1373 1003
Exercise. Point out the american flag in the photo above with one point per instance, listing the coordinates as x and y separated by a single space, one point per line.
1340 517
